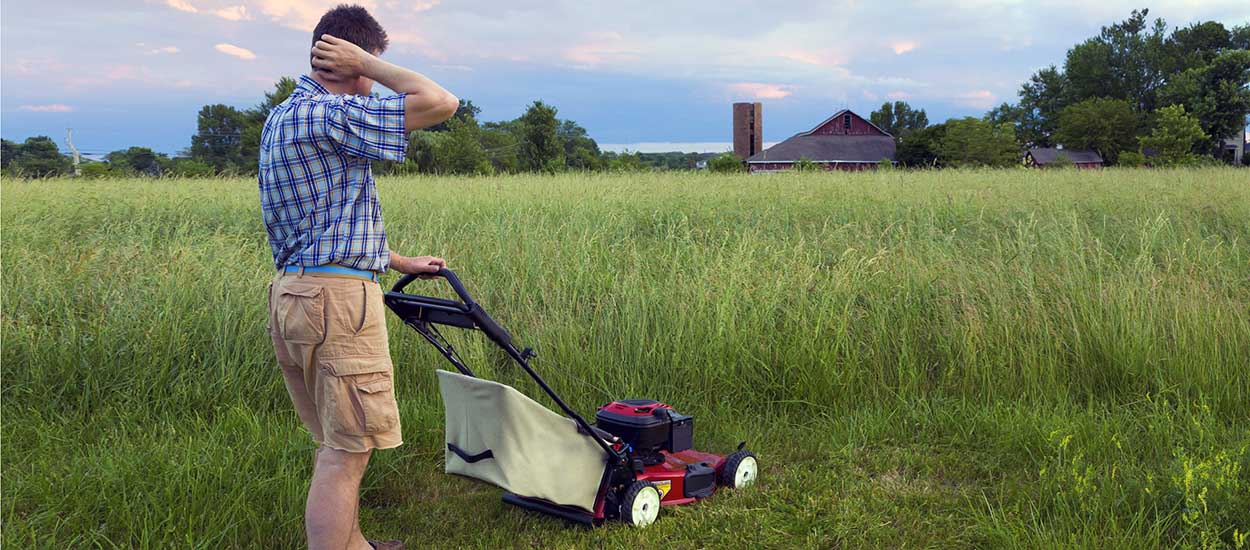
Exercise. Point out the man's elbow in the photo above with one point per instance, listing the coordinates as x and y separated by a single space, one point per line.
448 106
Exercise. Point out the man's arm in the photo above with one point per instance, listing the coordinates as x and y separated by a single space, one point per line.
417 265
426 103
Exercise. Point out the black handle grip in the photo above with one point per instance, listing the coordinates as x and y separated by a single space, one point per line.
443 272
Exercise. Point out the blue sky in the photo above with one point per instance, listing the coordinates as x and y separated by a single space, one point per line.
136 72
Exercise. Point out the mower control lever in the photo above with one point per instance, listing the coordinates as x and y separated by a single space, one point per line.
443 272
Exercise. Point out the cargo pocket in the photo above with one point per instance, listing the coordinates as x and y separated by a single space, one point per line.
300 312
362 395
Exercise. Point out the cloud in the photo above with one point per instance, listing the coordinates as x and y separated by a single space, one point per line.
233 13
759 90
232 50
903 47
182 5
898 95
822 58
602 47
50 108
981 99
163 50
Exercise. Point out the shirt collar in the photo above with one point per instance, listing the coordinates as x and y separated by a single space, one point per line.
307 84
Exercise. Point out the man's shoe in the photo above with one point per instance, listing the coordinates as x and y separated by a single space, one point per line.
386 544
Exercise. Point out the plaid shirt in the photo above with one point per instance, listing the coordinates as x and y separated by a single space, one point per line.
316 187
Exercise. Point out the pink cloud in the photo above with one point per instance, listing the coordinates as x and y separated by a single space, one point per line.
759 90
903 47
982 99
897 95
182 5
304 14
51 108
233 13
235 51
822 58
599 48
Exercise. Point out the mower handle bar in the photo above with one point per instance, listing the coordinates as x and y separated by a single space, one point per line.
443 272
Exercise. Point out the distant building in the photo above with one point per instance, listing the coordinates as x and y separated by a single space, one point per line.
748 129
1233 149
1041 157
844 141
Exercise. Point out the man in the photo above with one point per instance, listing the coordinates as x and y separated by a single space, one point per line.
325 229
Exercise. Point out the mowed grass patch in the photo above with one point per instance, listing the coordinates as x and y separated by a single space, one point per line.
956 358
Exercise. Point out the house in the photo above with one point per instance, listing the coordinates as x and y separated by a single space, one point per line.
844 141
1233 149
1041 157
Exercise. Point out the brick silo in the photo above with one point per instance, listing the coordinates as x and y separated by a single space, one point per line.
748 129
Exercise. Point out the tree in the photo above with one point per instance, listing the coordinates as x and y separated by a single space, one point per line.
190 168
971 142
422 146
459 150
920 150
38 157
7 150
580 151
1173 139
627 162
725 163
899 119
1107 126
218 138
1239 37
1216 94
501 141
1041 99
1196 45
540 147
1125 61
138 161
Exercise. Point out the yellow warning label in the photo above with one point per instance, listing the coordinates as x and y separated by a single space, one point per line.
664 487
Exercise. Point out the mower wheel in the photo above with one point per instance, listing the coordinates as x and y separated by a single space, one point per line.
641 504
740 470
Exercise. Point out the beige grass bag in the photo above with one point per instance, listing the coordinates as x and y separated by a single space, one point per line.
533 451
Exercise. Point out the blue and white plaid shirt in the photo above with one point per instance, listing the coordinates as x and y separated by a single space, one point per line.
316 187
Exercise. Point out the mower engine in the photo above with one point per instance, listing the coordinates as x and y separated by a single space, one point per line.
648 427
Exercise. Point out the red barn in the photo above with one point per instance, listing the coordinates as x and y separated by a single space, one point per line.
844 141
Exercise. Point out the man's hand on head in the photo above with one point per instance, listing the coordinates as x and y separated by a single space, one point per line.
339 59
420 265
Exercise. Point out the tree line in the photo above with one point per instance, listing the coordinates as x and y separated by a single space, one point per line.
1136 94
227 142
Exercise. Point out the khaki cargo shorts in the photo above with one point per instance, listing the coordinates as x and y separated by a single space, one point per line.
329 334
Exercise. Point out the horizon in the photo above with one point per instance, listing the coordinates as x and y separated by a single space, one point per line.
637 82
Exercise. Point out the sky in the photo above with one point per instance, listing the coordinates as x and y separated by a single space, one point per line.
649 76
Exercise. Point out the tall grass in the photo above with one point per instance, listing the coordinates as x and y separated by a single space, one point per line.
999 358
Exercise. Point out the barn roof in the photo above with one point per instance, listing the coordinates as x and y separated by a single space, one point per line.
836 148
1047 155
839 114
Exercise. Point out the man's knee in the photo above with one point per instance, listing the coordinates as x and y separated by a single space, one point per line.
343 461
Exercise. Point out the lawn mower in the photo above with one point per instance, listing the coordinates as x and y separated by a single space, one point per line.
636 459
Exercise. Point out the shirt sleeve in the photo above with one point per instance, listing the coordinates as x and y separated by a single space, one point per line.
369 127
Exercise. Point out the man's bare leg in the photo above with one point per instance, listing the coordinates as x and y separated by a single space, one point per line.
334 499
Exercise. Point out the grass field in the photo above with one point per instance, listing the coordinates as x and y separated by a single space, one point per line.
948 359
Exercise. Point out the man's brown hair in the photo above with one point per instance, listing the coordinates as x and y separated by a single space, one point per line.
355 25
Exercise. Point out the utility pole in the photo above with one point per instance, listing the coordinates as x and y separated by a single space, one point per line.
69 138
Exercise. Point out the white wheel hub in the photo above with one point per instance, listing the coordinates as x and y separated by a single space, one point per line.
646 506
746 473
